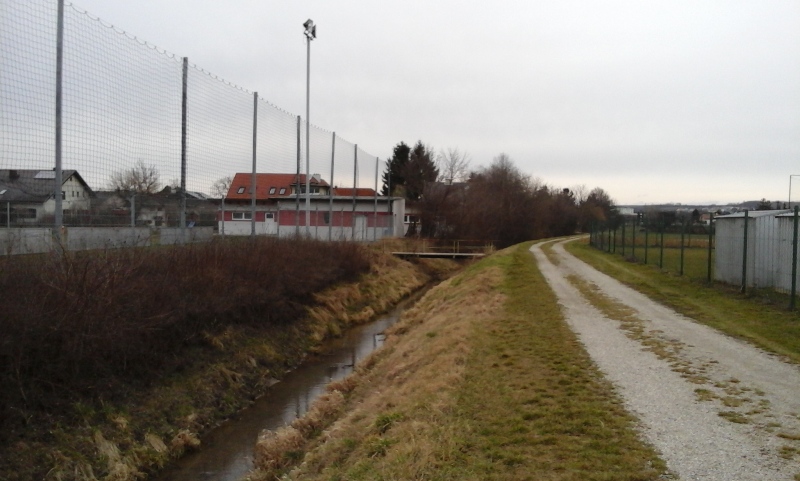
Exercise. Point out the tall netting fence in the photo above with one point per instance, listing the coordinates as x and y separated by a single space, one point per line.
148 138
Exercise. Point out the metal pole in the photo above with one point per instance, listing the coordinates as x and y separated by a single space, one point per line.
683 235
355 187
794 261
633 238
744 253
646 241
253 183
297 184
375 210
133 210
661 254
330 190
222 222
710 245
183 147
308 134
8 215
59 181
624 222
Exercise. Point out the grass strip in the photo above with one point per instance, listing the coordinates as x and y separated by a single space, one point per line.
540 408
483 380
759 317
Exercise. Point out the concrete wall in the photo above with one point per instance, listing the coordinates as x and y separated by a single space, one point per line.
38 240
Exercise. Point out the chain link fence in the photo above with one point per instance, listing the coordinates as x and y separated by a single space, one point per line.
756 249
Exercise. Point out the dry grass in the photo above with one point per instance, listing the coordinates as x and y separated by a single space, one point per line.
222 372
481 380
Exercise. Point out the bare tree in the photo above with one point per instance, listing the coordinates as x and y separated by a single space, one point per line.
139 179
220 186
453 166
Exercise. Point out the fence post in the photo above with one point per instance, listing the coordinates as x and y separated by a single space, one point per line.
683 236
253 174
184 97
355 188
624 222
661 246
614 248
609 238
297 183
133 210
744 253
330 190
375 210
646 242
794 261
710 243
633 238
58 181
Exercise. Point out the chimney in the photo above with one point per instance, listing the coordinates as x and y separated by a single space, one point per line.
316 177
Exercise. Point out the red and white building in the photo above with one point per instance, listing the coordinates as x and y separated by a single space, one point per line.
334 214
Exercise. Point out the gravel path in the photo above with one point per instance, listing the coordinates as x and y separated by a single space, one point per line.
716 408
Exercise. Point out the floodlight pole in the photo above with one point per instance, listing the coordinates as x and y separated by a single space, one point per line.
311 34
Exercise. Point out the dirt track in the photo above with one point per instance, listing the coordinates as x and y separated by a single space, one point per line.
715 407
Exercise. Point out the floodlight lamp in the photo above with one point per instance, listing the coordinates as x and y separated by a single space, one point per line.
311 29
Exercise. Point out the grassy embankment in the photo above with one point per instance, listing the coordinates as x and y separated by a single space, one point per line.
481 380
760 316
115 362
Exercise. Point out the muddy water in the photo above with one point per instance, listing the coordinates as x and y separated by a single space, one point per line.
227 452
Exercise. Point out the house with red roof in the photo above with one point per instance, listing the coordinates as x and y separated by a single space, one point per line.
277 207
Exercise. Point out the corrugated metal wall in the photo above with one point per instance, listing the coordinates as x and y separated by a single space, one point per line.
769 249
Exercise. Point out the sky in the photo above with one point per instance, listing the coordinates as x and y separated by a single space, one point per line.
655 102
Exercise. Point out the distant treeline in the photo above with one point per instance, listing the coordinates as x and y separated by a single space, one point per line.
498 203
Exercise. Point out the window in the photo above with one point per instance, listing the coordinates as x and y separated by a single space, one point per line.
242 215
271 190
283 191
240 190
326 217
312 189
270 216
63 195
26 213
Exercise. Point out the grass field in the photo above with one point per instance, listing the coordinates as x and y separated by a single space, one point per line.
760 316
648 250
481 380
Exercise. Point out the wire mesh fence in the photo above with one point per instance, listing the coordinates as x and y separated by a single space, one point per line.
141 129
750 249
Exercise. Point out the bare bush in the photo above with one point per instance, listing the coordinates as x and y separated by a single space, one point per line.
75 325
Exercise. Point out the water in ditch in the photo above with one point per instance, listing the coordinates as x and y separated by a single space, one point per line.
227 452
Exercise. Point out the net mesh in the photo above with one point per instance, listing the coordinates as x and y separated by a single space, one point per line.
122 106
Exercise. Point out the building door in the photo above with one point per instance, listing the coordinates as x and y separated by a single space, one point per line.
360 228
270 226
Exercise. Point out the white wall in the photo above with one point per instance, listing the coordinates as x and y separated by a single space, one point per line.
38 240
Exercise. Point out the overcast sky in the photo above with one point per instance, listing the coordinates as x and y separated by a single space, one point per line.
654 101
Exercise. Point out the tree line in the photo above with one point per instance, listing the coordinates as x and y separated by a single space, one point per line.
496 203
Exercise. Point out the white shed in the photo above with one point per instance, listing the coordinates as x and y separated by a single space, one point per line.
767 232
